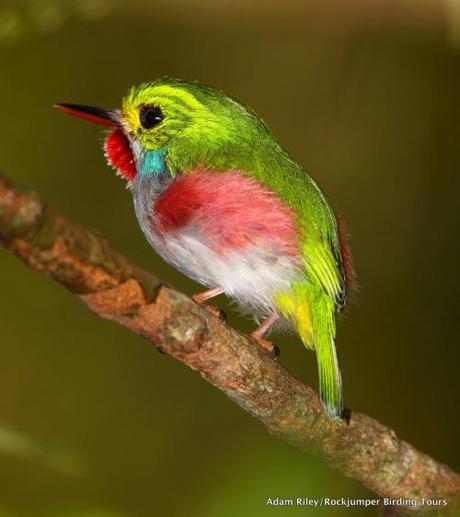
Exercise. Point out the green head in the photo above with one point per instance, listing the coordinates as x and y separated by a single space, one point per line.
191 124
176 126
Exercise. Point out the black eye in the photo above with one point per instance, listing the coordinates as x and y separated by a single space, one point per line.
150 116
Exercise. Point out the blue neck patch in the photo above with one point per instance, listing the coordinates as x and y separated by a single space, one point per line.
153 162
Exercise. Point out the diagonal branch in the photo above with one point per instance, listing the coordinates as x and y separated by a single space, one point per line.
112 287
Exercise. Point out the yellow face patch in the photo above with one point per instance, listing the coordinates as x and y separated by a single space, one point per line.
130 116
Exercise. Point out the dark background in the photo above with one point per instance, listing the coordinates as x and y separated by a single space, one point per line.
93 421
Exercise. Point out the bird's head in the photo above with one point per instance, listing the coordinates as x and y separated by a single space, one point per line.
170 126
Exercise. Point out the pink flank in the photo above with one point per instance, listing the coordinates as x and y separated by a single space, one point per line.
347 258
230 210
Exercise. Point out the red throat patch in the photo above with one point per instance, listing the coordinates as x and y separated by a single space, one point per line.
119 154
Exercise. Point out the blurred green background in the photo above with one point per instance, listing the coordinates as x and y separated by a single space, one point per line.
93 421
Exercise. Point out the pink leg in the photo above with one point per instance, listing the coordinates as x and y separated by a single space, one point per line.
201 297
261 330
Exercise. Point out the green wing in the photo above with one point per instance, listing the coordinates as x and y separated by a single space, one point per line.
321 246
324 267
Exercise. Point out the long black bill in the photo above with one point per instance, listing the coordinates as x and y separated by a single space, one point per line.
98 115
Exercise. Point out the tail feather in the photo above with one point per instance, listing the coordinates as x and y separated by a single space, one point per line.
313 313
330 379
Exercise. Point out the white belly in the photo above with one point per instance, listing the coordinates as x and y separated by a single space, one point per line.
252 277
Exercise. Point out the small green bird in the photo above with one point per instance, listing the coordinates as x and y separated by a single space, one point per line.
218 198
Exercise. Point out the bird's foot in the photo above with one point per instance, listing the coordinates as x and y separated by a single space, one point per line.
261 330
266 345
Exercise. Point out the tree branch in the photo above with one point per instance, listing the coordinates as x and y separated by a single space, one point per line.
112 287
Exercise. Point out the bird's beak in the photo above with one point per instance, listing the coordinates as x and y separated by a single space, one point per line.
100 116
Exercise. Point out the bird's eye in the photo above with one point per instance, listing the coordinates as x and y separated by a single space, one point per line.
150 116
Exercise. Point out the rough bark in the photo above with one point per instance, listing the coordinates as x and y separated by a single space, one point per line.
114 288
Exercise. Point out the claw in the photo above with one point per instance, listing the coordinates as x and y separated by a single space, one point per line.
261 330
200 299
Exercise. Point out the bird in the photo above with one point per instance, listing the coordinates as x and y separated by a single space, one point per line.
219 198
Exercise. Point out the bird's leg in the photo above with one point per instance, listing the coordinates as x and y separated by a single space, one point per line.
200 298
261 330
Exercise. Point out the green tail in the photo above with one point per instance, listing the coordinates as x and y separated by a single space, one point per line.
330 379
313 313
